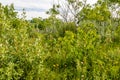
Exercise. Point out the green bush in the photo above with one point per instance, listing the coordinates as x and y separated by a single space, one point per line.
64 52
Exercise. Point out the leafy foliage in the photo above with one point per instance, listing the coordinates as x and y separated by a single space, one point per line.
51 49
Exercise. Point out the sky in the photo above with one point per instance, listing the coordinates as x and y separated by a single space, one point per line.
33 8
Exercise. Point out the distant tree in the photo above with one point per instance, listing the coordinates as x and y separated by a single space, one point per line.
38 23
8 11
53 11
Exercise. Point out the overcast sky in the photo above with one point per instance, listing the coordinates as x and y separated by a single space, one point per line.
34 8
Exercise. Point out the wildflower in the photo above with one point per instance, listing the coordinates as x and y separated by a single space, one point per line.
81 62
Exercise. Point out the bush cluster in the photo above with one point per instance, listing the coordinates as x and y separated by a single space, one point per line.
50 49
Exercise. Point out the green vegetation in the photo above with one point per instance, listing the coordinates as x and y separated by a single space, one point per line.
54 49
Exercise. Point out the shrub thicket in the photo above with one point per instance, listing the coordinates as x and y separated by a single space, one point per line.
50 49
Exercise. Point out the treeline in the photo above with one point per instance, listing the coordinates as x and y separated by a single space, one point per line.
85 47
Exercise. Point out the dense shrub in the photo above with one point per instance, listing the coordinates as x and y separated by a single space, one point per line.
51 49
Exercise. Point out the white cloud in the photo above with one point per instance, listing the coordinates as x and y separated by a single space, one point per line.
38 7
33 14
44 4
